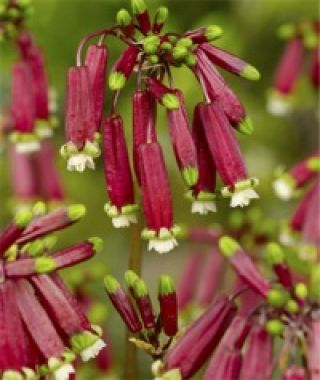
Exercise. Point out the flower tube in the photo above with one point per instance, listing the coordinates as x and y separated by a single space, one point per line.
227 156
80 124
205 34
168 306
163 94
144 303
141 13
121 208
156 199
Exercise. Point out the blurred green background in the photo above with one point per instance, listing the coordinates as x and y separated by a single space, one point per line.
249 31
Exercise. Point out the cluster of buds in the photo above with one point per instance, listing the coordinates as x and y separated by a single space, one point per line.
303 229
136 309
208 147
302 37
43 328
13 14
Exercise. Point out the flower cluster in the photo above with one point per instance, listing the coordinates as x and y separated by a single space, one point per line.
43 329
209 147
303 228
301 37
137 312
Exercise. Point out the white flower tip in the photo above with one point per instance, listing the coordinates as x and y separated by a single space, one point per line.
79 162
122 221
242 198
282 189
93 350
286 238
44 132
203 207
278 107
63 372
162 246
28 146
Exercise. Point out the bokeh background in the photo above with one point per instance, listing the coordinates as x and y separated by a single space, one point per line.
249 31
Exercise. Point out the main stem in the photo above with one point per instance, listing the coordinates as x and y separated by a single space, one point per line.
135 264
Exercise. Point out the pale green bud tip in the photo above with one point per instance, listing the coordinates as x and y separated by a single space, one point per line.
170 101
138 6
12 375
213 32
140 288
161 15
190 176
274 327
179 52
228 246
185 41
190 60
117 81
274 253
286 31
166 285
277 298
111 284
40 208
123 17
250 72
35 248
97 243
246 126
292 306
314 164
154 59
150 44
167 46
44 265
130 277
23 218
301 290
76 212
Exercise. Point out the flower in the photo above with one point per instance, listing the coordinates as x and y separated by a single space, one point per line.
168 306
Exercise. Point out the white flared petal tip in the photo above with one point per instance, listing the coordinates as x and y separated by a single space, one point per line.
27 147
282 189
122 221
79 162
286 238
162 246
63 372
242 198
203 207
278 107
93 350
44 132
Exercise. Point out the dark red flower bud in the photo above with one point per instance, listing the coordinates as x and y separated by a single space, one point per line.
315 68
243 265
205 34
141 13
122 304
156 199
80 122
201 338
144 114
144 303
226 154
117 171
294 373
96 61
183 145
168 306
257 362
163 94
123 68
276 257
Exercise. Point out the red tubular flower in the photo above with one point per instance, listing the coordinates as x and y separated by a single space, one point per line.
202 193
313 353
294 373
209 279
227 156
144 304
123 68
25 43
189 279
286 76
121 207
183 145
81 146
205 34
50 185
163 94
297 177
243 265
200 339
276 257
144 114
160 19
168 306
218 89
156 198
141 13
122 304
315 68
23 109
96 61
204 235
230 62
257 362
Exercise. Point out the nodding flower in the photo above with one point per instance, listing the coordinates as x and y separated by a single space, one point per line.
156 199
121 207
227 156
81 147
